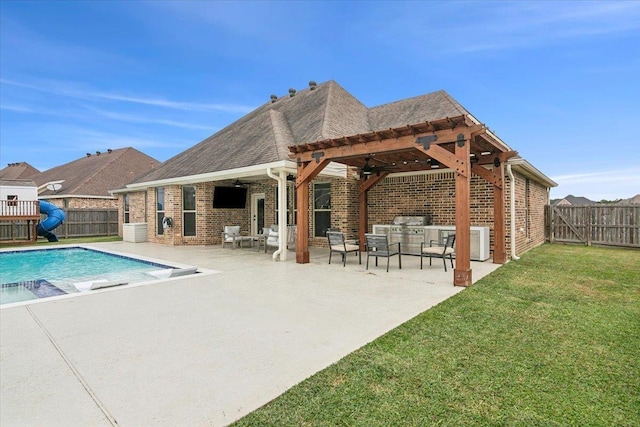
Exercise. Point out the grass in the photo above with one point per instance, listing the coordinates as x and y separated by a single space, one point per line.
550 340
80 240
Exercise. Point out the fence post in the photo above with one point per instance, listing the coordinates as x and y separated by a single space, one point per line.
588 225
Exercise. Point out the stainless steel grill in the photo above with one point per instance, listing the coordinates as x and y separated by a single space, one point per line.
412 220
409 231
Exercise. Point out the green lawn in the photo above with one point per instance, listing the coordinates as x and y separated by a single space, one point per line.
550 340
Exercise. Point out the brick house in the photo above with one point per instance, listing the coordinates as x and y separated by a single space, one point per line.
262 152
85 183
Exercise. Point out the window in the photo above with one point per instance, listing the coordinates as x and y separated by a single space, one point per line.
321 208
159 210
189 210
12 200
127 199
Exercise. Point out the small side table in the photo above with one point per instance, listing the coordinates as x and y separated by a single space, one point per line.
260 240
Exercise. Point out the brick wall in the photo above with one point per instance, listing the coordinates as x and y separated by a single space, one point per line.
137 208
430 193
530 200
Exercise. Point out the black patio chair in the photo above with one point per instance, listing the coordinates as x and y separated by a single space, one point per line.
339 245
378 246
438 250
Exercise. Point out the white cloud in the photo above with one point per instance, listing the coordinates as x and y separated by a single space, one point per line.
178 105
501 26
73 91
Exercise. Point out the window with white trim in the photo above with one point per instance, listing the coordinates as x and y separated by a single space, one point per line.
127 200
189 210
159 210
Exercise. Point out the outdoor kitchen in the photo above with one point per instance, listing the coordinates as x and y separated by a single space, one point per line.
411 231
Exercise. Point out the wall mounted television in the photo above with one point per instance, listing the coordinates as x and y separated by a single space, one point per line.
229 197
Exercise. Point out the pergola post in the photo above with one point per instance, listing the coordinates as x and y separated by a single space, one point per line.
462 270
496 178
306 172
302 222
499 251
363 226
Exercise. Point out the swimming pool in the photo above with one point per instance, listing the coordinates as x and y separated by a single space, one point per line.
41 273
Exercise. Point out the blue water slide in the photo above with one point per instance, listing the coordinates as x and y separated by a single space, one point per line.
55 216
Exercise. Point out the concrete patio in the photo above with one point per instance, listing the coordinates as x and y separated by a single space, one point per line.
205 349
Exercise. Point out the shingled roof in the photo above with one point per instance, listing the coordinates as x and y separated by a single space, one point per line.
19 170
96 174
320 112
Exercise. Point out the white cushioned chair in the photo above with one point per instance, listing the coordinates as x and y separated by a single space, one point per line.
231 234
273 239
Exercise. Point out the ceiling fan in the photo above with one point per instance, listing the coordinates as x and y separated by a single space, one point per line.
370 169
239 183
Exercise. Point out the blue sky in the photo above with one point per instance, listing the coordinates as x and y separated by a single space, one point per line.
557 81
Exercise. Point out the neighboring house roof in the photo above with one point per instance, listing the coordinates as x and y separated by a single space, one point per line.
635 200
96 174
19 170
574 201
314 114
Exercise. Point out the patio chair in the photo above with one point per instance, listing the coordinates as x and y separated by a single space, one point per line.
378 246
439 250
273 239
339 245
231 234
292 235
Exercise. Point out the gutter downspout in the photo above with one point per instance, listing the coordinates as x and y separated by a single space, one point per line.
512 189
282 214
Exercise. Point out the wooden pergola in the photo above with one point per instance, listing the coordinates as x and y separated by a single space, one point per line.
457 143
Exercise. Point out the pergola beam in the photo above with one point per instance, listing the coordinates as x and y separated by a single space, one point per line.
370 148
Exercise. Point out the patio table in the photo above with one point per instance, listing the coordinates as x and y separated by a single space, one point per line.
260 240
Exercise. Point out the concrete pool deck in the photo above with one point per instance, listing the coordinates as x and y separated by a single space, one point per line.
204 349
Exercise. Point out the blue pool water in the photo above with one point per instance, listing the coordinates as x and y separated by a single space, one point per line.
35 274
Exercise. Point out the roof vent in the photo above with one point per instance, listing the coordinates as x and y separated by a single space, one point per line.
109 150
274 98
97 153
292 92
312 85
88 154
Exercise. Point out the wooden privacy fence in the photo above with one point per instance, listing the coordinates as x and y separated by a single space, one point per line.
610 225
78 223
